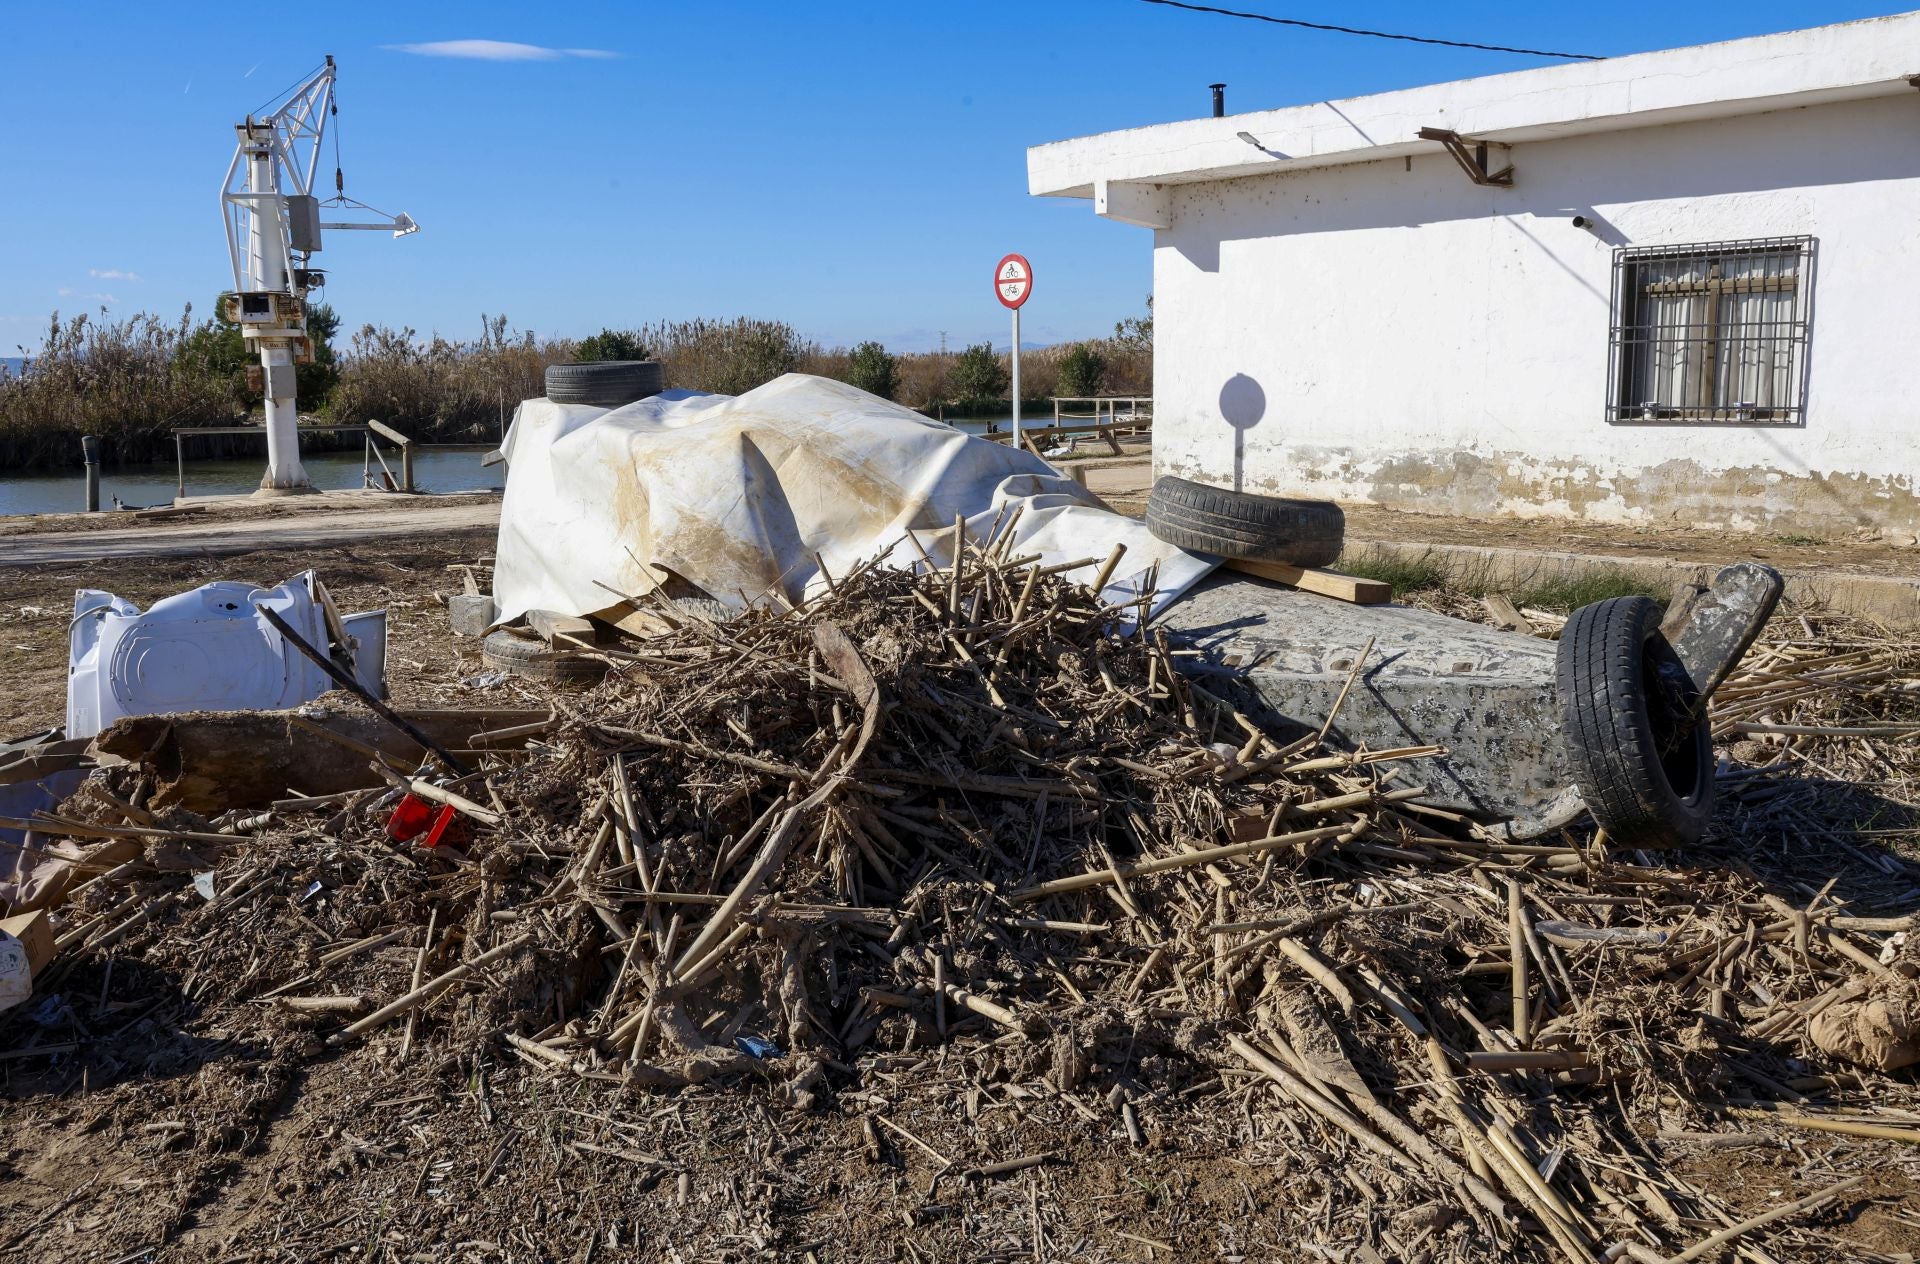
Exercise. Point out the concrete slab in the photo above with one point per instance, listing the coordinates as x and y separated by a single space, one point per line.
1485 695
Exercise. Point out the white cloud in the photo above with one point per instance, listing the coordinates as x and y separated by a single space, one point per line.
113 274
496 50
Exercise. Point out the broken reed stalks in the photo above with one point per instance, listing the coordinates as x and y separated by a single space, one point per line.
990 816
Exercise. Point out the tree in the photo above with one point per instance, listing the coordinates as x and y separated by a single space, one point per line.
215 349
1135 333
611 344
978 374
316 381
1081 370
873 369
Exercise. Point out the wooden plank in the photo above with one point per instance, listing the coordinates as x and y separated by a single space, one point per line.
1348 588
388 432
1506 616
561 631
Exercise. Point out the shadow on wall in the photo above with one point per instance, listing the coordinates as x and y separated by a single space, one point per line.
1242 405
1556 180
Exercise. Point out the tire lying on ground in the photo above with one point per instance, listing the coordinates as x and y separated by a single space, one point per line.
608 383
1639 758
1237 524
520 654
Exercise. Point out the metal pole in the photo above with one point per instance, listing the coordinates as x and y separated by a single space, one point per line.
90 453
180 466
1016 378
268 273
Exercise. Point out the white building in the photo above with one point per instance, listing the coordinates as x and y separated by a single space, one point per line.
1678 287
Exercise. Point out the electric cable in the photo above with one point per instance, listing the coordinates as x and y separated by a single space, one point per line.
289 88
1355 30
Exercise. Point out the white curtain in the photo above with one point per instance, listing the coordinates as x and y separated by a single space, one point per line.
1755 343
1716 332
1674 353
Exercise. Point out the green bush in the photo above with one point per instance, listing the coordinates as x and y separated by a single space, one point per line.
978 375
315 381
612 344
873 370
1082 370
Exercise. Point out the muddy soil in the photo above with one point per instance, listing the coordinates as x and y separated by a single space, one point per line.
402 575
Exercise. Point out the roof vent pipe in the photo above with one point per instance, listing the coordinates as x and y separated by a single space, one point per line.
1219 99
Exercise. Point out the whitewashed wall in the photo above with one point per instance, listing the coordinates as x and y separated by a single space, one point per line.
1390 332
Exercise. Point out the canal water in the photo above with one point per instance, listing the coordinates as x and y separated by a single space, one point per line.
65 491
435 470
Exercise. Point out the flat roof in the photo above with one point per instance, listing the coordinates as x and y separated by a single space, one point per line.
1842 62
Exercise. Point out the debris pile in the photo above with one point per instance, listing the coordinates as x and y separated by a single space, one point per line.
936 843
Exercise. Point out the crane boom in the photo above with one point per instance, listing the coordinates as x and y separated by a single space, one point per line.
272 219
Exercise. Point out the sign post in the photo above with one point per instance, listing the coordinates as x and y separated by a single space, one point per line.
1012 284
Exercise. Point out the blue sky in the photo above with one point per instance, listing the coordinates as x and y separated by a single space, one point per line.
854 168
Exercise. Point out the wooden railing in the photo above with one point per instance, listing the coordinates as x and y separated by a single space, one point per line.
373 454
1139 408
1112 417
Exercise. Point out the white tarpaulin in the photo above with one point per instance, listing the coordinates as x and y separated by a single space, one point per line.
739 495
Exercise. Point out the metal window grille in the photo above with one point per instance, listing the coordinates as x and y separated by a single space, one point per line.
1711 333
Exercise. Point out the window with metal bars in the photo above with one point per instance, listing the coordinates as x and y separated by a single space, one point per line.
1711 333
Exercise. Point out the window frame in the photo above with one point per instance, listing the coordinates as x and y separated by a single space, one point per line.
1630 332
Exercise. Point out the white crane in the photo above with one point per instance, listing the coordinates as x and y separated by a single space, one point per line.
272 218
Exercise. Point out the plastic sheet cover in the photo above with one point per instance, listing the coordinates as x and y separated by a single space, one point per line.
748 496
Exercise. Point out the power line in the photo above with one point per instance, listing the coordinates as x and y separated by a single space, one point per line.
1354 30
261 109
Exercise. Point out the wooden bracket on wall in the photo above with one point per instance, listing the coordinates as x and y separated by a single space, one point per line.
1471 155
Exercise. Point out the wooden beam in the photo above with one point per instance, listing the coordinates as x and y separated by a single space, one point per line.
389 433
1348 588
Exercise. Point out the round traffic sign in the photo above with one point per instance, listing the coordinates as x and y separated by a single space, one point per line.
1013 280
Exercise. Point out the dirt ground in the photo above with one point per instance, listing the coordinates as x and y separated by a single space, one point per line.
231 509
398 573
218 1147
1867 556
1126 489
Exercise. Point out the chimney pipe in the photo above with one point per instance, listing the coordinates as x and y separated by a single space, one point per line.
1219 99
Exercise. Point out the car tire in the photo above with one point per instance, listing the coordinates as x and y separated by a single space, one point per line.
607 383
519 655
1641 758
1214 520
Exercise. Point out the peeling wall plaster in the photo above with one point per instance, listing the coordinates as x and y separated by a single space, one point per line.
1390 332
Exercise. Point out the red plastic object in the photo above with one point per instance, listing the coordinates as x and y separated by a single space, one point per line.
443 825
411 817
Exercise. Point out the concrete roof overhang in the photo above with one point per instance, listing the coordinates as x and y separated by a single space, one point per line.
1127 172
